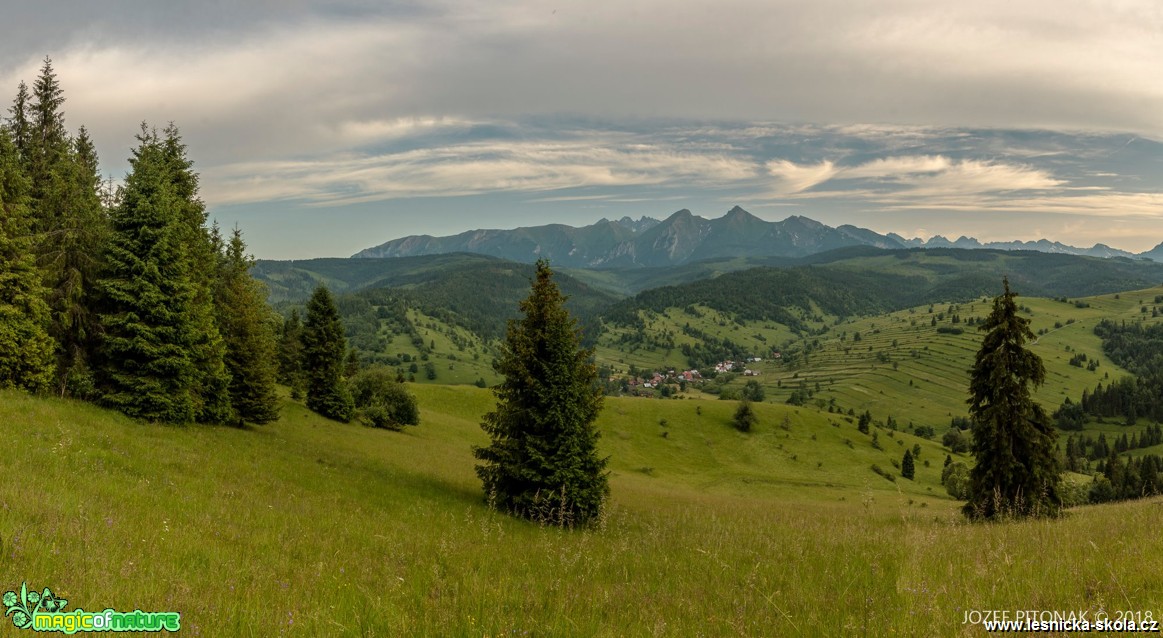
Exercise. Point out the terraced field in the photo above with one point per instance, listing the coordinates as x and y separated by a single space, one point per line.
911 364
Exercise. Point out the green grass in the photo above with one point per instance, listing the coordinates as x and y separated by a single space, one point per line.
922 377
310 527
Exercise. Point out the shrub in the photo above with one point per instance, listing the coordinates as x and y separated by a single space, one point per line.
381 401
956 440
955 478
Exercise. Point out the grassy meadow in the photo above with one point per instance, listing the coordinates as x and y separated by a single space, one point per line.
897 364
311 527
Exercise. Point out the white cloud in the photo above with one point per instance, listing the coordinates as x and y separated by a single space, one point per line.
914 176
792 178
467 169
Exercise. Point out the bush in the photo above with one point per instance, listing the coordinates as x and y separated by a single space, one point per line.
887 475
381 401
956 440
955 478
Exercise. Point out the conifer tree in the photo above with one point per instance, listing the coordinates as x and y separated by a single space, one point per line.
211 388
76 229
26 350
245 323
291 354
745 417
147 368
1017 471
48 142
908 467
18 123
542 462
324 347
70 225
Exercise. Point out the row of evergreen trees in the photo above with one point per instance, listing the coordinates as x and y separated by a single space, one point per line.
123 296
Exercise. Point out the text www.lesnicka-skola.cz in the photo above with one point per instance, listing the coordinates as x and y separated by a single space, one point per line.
1027 620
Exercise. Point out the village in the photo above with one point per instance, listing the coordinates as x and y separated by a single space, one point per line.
645 383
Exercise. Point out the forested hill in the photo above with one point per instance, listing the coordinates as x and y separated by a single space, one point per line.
866 281
295 279
472 292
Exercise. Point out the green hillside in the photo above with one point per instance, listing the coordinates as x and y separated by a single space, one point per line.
309 527
911 364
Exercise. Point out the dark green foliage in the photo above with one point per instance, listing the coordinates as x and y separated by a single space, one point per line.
1070 416
1017 471
864 422
324 347
18 124
212 379
147 368
542 461
1139 349
475 292
957 440
247 332
908 469
382 401
291 353
70 225
753 391
26 349
745 418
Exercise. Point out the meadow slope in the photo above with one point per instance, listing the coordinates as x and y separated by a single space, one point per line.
310 527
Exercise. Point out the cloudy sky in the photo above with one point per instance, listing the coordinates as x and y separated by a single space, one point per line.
325 128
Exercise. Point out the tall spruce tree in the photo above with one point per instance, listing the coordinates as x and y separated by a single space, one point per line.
248 333
1017 472
542 462
147 366
18 123
48 142
324 347
291 354
26 349
70 224
211 388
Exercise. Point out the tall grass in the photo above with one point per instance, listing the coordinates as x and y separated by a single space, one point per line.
309 527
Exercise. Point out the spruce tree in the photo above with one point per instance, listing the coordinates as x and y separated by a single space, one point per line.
48 141
18 123
211 388
542 462
745 417
1017 471
76 229
324 347
291 354
69 222
26 349
245 324
908 467
147 367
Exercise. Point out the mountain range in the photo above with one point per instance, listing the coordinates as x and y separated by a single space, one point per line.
684 237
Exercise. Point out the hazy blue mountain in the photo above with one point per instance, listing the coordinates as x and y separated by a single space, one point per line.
685 237
681 238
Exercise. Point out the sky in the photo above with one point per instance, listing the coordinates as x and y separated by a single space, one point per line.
325 128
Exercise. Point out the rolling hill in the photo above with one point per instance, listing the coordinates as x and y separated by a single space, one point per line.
314 527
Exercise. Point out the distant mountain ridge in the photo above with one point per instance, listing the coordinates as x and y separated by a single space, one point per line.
685 237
